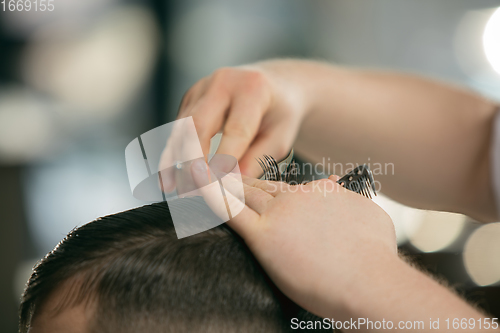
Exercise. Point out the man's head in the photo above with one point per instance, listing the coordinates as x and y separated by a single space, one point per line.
128 272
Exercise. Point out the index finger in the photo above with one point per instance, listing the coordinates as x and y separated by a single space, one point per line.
271 187
244 217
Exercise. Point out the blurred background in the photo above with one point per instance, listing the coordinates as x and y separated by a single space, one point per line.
78 83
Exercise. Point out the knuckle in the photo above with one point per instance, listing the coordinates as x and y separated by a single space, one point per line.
237 79
220 82
223 73
238 129
255 80
248 78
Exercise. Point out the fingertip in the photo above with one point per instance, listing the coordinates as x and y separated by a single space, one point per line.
167 186
247 170
250 167
334 178
200 172
166 180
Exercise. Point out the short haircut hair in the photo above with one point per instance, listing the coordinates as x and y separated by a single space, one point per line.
144 279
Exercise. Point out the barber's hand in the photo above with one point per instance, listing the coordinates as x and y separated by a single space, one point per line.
318 242
258 107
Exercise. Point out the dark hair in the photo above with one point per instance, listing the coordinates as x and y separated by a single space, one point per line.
144 279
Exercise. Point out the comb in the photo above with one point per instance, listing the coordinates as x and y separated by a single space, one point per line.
359 180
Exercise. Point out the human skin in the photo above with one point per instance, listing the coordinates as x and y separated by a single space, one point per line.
437 136
334 253
59 314
330 250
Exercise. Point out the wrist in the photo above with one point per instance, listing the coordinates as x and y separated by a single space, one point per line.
399 292
376 280
344 293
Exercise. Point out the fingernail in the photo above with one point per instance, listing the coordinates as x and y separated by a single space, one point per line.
166 183
199 166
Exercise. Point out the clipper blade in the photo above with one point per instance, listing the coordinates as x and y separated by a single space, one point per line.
286 171
359 180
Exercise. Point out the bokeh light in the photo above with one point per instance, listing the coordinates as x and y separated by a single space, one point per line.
96 73
406 220
437 231
481 253
491 40
26 130
428 231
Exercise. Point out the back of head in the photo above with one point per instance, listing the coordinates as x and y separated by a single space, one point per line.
141 278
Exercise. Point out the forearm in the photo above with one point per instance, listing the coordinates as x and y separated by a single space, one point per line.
432 140
402 294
